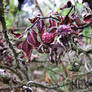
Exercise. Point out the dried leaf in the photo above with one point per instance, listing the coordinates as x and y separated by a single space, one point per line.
47 78
33 19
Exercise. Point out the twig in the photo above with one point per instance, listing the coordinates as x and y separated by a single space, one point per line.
2 19
49 18
12 70
38 7
38 18
48 86
66 17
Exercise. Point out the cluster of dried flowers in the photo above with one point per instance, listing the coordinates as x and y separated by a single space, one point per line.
58 36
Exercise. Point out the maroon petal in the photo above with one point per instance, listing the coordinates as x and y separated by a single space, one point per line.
27 49
40 26
32 38
64 29
88 18
33 19
68 5
52 22
18 35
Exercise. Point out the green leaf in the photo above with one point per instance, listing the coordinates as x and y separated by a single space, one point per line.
68 67
65 11
86 32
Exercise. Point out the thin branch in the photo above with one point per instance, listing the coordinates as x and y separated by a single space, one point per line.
48 86
2 19
38 7
12 70
28 28
66 17
49 18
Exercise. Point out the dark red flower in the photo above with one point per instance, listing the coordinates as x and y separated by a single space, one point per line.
48 38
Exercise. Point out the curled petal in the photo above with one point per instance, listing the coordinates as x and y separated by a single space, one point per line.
33 19
40 26
88 18
52 22
32 38
18 35
64 29
27 49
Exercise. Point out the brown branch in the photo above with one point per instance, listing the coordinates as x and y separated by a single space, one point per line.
12 70
2 19
66 82
66 17
38 7
38 18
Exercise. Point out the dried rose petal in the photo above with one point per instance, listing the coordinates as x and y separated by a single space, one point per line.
52 22
40 26
88 18
33 19
64 29
32 38
16 35
27 49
